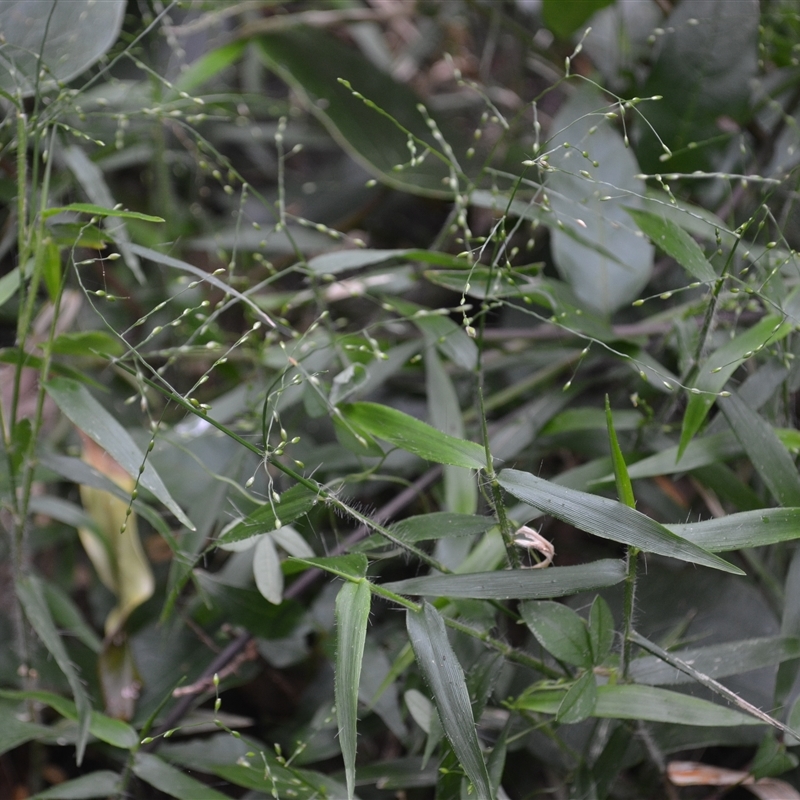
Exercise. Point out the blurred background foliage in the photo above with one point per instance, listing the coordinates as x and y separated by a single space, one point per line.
244 246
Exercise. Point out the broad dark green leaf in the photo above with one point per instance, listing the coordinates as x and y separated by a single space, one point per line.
606 518
444 676
648 703
409 433
78 405
523 584
596 248
675 242
562 632
579 701
771 759
766 452
174 782
352 615
746 529
717 660
704 61
312 61
103 783
720 365
246 607
30 592
294 503
564 19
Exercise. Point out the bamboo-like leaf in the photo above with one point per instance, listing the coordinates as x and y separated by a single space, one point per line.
111 731
443 673
522 584
579 701
721 364
172 781
460 487
32 599
103 783
717 660
294 503
675 242
765 451
90 417
648 703
439 524
352 615
101 211
267 570
606 518
561 631
409 433
746 529
351 566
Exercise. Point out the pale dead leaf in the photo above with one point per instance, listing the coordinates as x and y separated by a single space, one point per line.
694 773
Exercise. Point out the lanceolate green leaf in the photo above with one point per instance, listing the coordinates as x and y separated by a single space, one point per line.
675 242
739 531
606 518
522 584
352 614
351 566
460 487
112 731
32 599
100 211
443 673
718 660
721 364
648 703
294 503
174 782
88 415
579 701
765 451
100 784
409 433
623 481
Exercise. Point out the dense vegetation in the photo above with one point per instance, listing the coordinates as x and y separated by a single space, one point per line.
398 400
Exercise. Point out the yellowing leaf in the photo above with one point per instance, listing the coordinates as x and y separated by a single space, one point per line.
117 555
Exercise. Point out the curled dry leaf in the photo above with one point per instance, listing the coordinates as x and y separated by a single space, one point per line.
532 540
693 773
